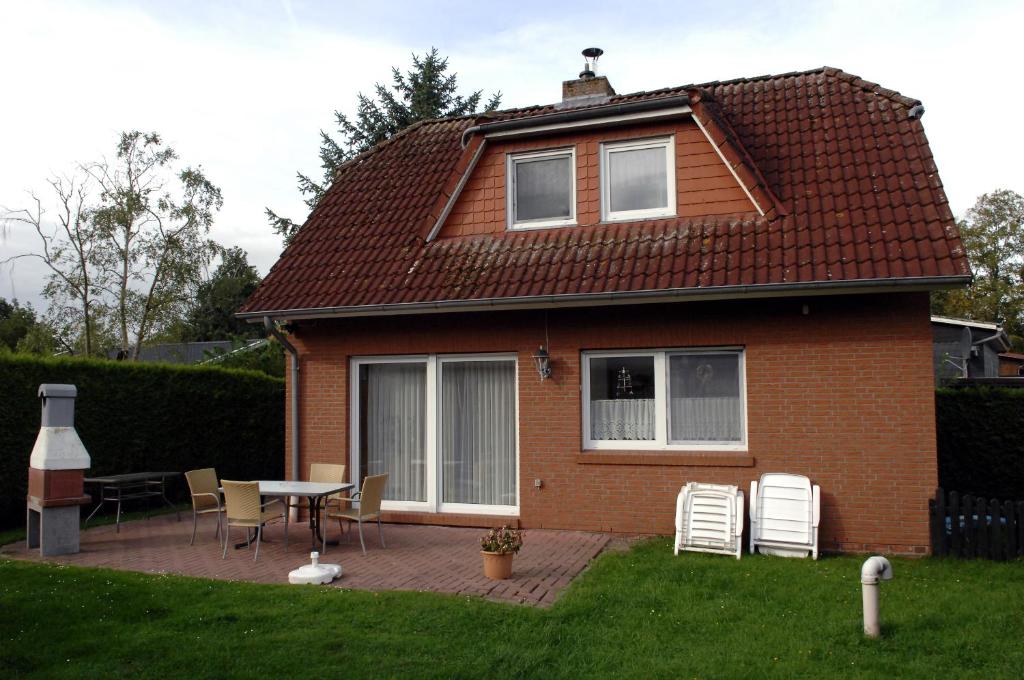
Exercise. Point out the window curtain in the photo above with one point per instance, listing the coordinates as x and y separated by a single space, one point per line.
630 419
395 428
704 403
638 179
478 432
543 189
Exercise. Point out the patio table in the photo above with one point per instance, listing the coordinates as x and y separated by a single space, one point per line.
131 486
314 492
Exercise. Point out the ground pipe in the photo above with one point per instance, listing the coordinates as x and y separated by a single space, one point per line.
875 569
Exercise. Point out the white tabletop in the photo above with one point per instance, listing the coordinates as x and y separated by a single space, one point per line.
308 489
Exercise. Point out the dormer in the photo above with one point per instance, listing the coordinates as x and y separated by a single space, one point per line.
597 158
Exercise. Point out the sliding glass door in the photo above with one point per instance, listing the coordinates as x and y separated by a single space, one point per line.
442 428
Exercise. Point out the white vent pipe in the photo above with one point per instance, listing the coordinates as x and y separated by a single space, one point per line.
875 569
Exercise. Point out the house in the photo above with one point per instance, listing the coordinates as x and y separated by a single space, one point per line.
980 342
1011 365
558 315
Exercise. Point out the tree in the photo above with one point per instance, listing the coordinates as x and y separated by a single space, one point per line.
993 235
426 91
22 331
70 251
152 222
212 316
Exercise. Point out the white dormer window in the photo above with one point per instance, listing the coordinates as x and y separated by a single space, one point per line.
542 189
638 179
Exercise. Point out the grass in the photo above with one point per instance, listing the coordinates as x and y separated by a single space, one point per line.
641 613
18 533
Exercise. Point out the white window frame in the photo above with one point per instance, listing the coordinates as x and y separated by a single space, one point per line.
661 400
435 364
510 183
608 148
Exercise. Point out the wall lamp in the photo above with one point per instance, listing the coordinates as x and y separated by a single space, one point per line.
543 361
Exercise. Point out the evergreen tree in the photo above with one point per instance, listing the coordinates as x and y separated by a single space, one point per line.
426 91
212 316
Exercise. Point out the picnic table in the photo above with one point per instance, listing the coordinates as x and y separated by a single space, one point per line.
131 486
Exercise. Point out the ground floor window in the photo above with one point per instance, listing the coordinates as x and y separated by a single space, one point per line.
664 399
443 429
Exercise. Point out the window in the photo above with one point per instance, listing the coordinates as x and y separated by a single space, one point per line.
664 399
542 189
638 179
443 428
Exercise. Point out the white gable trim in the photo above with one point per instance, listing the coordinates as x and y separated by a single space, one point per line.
728 165
443 217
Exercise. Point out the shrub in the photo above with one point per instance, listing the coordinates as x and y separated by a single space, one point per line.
504 540
134 417
980 433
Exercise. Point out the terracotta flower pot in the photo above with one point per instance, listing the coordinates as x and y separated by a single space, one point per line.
497 566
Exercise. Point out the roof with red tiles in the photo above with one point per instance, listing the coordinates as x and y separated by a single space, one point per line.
844 163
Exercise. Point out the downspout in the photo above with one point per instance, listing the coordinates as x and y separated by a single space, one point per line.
280 337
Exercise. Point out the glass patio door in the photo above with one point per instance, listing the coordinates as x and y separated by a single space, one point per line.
442 428
478 434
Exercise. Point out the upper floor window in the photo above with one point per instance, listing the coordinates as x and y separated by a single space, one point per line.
542 189
638 179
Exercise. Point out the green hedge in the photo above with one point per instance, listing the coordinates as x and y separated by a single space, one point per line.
981 441
135 417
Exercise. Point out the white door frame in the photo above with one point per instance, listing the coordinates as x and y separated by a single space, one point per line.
434 366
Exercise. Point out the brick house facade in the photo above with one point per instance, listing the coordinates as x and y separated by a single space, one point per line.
784 298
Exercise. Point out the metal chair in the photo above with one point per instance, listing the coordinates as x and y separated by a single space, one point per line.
243 509
369 508
206 498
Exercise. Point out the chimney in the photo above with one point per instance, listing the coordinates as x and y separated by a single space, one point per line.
589 88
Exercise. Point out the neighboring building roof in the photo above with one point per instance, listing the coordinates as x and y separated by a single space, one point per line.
179 352
850 193
1012 356
970 323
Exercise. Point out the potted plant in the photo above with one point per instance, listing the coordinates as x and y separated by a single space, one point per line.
498 547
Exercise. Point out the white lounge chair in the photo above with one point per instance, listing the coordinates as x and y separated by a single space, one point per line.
784 514
709 518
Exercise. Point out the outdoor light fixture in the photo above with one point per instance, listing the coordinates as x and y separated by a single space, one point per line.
543 361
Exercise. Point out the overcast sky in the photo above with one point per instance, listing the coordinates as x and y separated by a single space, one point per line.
242 88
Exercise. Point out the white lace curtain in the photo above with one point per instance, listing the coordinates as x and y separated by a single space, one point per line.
624 419
478 432
543 188
395 428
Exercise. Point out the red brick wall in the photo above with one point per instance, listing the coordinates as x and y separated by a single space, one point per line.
704 184
844 395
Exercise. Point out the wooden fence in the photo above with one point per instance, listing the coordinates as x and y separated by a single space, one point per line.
964 526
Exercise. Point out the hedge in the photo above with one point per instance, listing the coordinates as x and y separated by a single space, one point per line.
980 434
134 417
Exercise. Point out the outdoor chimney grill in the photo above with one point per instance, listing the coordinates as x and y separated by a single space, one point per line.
55 475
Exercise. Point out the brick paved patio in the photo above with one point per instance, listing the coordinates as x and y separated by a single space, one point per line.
417 557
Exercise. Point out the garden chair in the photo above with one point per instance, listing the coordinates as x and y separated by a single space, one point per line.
243 509
709 518
369 508
328 473
206 498
784 514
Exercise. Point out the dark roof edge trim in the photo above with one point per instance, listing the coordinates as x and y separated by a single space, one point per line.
625 297
576 114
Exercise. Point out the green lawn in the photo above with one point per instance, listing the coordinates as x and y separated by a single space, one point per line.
642 613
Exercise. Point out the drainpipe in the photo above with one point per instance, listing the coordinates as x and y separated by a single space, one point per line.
294 353
874 569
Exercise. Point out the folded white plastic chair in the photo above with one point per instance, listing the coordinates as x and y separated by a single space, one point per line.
784 514
709 518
